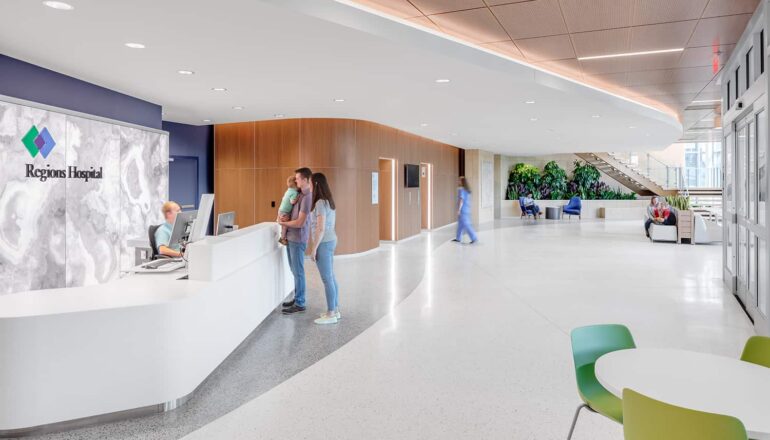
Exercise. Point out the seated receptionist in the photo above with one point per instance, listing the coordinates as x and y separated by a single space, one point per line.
163 233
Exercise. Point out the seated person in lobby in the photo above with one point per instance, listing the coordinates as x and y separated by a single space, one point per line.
650 215
664 215
163 233
529 202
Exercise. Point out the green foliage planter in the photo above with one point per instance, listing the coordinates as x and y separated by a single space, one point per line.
553 184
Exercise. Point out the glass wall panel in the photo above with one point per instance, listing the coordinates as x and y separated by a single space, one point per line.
741 190
743 256
762 287
752 173
761 166
729 197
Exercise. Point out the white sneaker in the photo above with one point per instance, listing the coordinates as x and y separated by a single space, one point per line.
338 314
326 319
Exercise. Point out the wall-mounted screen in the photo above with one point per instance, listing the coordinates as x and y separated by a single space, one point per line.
412 176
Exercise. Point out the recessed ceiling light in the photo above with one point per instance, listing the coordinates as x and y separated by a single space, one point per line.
423 125
529 102
631 127
704 101
533 119
631 54
237 107
278 115
219 89
207 120
339 100
595 116
59 5
135 45
442 80
185 72
454 134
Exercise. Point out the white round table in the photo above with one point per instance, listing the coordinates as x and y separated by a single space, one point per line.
699 381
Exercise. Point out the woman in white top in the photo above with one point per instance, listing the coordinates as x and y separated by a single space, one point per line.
323 214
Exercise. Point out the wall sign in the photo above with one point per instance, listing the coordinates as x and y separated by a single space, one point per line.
72 191
375 188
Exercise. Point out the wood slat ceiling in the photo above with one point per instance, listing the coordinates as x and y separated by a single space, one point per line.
552 34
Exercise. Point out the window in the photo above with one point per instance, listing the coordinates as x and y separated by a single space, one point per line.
737 83
729 96
749 68
762 51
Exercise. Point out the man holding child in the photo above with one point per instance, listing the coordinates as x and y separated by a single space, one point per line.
297 235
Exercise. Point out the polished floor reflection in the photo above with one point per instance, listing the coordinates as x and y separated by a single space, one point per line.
371 286
480 349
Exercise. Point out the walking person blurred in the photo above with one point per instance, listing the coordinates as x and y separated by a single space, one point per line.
464 212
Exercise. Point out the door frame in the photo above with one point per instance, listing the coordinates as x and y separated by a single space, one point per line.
171 158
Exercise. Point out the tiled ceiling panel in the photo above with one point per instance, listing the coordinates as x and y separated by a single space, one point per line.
667 11
661 36
601 42
475 25
553 34
592 15
537 18
718 8
398 8
557 47
429 7
719 30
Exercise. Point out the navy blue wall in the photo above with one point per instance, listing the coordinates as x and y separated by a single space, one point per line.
33 83
198 141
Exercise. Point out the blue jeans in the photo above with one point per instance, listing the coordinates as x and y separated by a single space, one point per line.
325 261
464 225
296 253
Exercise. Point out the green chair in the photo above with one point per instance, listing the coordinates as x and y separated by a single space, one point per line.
588 344
757 351
649 419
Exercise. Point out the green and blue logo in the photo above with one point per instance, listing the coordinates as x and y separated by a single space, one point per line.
38 142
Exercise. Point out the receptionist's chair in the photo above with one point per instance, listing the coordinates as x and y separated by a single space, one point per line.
155 253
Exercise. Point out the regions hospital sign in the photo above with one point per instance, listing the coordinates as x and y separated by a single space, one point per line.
42 143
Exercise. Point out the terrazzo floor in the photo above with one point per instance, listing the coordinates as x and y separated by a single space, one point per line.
481 350
441 340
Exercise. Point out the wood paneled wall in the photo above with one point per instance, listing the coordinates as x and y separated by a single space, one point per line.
253 159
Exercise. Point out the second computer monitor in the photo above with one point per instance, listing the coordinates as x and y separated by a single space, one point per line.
225 222
180 234
205 207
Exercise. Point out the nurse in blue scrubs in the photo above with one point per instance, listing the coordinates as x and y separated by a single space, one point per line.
464 212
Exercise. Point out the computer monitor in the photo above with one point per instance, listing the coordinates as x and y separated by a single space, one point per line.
182 227
201 224
225 222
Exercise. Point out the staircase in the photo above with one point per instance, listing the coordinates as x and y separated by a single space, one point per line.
629 175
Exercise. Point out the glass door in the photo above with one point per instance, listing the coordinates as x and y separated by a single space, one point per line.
728 216
741 208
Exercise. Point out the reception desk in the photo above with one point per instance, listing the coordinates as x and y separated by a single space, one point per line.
139 344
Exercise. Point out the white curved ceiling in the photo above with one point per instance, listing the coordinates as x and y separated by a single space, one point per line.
295 57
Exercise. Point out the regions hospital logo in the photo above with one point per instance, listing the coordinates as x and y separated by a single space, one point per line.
42 142
38 142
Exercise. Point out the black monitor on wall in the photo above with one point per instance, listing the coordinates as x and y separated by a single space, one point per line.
412 176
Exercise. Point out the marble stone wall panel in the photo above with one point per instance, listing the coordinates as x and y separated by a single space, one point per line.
93 206
143 185
32 211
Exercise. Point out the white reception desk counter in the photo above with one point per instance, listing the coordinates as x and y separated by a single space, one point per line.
139 344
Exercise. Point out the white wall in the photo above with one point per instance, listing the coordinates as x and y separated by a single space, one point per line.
479 170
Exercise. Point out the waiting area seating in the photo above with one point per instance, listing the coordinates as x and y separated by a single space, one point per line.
647 419
527 211
642 417
588 345
573 207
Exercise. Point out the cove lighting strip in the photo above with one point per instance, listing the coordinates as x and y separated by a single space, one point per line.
630 54
430 196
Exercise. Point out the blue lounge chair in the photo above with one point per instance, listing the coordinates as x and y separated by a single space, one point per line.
573 207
